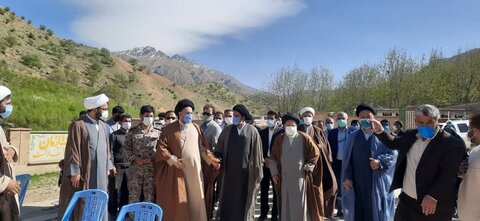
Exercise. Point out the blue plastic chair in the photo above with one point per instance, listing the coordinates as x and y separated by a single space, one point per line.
24 179
94 207
143 211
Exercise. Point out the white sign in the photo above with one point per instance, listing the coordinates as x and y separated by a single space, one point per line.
47 148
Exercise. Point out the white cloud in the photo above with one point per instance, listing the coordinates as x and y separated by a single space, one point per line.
174 26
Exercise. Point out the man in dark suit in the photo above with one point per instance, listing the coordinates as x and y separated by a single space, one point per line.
427 166
337 139
267 134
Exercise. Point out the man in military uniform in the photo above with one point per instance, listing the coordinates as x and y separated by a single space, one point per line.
139 151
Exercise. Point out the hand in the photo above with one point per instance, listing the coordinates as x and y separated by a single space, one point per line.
12 187
348 184
112 172
376 125
275 179
75 181
429 205
216 163
374 163
267 162
178 164
463 168
9 154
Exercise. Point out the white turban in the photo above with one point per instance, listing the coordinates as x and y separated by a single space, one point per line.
96 101
307 109
4 92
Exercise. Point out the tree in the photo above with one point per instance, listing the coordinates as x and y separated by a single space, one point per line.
288 87
133 61
49 32
42 27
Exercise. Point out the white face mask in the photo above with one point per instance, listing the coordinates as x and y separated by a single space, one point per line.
126 125
330 126
169 121
291 131
228 120
105 114
219 122
161 122
308 120
147 121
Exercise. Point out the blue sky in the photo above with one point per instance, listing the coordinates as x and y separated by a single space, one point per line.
252 42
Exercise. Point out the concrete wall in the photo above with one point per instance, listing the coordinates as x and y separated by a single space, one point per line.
20 138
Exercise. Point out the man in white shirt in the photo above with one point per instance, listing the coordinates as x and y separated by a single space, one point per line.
468 194
427 167
266 134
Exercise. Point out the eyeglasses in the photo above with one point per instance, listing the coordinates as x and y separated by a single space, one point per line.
206 113
171 118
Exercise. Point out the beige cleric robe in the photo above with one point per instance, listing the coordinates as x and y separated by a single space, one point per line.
171 183
77 153
329 182
10 209
313 180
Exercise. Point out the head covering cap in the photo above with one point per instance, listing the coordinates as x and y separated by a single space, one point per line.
362 107
95 101
240 108
288 116
307 109
183 104
4 92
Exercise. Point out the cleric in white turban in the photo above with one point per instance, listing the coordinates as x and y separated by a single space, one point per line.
87 154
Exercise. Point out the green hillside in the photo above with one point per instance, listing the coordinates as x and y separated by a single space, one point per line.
50 77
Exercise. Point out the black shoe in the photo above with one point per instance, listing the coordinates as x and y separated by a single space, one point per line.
262 218
339 215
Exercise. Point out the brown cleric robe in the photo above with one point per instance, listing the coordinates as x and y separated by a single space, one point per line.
313 180
328 177
77 154
171 187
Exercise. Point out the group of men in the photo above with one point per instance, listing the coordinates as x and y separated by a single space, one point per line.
188 168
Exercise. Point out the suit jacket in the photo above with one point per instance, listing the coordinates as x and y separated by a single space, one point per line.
264 136
437 169
333 140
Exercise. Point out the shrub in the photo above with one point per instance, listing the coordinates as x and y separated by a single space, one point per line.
2 11
31 60
49 32
69 46
23 17
7 9
133 61
31 35
58 76
10 41
42 27
29 22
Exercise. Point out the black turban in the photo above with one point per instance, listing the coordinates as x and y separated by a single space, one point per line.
289 116
240 108
362 107
183 104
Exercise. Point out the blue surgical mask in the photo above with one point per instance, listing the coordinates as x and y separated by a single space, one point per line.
187 118
365 123
8 111
341 123
355 126
271 123
386 128
236 121
426 132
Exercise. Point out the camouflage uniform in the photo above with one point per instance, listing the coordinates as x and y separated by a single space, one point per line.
140 144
